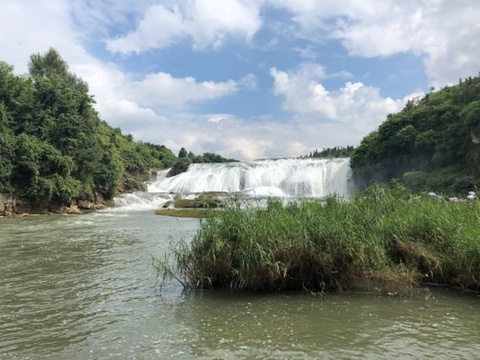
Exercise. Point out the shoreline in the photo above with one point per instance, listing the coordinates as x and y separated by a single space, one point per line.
14 206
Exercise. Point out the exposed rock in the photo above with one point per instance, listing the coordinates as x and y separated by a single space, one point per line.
85 204
200 202
193 213
131 183
73 209
11 205
144 176
167 204
180 167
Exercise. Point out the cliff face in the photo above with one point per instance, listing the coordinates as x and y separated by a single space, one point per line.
11 205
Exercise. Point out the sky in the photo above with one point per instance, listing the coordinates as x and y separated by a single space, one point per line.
249 79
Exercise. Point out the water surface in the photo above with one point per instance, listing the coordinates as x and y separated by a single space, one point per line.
83 287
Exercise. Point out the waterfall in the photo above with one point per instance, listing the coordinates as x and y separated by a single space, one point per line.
262 178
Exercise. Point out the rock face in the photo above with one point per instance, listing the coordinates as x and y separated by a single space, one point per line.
200 202
11 205
180 167
131 183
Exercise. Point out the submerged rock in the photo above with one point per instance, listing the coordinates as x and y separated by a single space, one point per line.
200 202
191 213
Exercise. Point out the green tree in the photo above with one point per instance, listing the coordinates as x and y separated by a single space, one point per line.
182 153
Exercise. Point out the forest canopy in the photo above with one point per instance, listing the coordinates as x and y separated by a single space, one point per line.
432 144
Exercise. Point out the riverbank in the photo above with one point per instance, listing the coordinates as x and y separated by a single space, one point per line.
13 206
16 206
380 239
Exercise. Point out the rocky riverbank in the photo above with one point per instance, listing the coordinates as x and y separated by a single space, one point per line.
11 205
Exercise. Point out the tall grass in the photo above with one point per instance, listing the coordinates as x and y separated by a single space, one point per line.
379 238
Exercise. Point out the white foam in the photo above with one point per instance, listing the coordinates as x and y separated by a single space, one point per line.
139 201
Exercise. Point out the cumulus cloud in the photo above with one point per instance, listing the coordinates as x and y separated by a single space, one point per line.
359 107
252 138
27 28
205 22
162 89
244 139
446 33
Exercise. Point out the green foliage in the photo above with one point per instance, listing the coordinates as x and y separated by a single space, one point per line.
432 144
7 161
182 153
41 171
54 146
337 151
381 238
186 158
207 157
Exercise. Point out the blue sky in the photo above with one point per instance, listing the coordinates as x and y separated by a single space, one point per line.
249 78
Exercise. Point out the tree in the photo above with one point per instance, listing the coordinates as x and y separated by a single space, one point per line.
182 153
47 65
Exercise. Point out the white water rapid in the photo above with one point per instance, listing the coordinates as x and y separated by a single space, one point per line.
263 178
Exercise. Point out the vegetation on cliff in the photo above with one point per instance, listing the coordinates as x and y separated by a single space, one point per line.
378 239
432 144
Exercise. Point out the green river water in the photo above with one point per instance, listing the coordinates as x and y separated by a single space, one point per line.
83 287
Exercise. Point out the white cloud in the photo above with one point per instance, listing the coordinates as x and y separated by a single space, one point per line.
359 108
162 89
249 82
307 53
96 17
218 118
159 28
249 139
27 28
446 33
206 22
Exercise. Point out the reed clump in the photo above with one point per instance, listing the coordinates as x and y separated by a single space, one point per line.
379 238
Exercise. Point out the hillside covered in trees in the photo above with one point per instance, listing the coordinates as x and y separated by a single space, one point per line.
53 144
432 144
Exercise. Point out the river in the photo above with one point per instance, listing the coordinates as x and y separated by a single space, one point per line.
83 287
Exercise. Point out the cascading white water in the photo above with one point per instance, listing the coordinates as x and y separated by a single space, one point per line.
278 178
139 201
